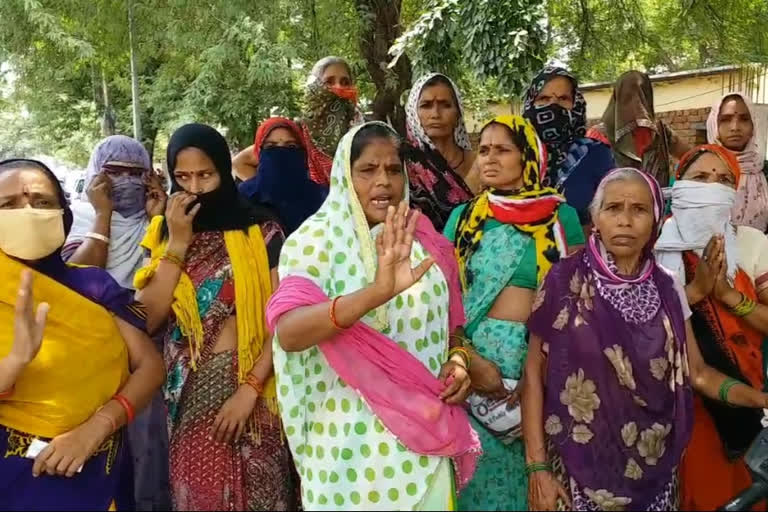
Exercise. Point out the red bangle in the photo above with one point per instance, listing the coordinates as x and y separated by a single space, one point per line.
332 313
254 383
129 411
7 394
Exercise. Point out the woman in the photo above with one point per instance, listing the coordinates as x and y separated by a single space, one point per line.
226 446
530 225
611 363
575 163
721 266
65 369
282 180
630 127
331 99
731 124
439 155
124 193
370 393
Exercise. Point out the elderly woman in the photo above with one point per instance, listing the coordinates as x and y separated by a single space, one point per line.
331 102
74 370
630 127
725 269
369 390
732 124
123 193
530 224
438 155
575 163
611 365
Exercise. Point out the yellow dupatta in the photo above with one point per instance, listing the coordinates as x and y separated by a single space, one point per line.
253 287
82 363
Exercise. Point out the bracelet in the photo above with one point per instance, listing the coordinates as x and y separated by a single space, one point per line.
254 383
97 236
463 352
463 340
172 258
7 394
332 313
127 406
744 307
725 387
109 418
535 467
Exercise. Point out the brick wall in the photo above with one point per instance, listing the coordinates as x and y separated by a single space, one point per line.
690 125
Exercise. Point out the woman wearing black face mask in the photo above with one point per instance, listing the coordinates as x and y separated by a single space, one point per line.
226 447
575 164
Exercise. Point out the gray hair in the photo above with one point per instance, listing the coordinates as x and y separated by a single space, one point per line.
320 66
621 174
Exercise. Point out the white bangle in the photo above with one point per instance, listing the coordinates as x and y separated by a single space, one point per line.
97 236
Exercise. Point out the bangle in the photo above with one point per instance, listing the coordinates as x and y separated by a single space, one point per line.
332 313
97 236
127 406
463 340
254 383
744 307
725 388
109 418
463 352
172 258
535 467
7 394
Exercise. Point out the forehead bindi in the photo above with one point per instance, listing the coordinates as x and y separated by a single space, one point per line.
496 135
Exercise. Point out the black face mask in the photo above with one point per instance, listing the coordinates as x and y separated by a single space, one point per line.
553 123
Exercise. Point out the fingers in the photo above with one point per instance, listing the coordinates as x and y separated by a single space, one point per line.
40 461
419 270
63 466
564 495
400 220
74 467
240 431
216 427
193 212
453 384
460 395
24 298
40 318
389 228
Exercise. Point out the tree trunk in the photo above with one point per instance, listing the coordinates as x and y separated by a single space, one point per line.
134 76
380 27
108 121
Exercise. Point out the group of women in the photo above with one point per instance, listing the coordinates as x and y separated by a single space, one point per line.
328 302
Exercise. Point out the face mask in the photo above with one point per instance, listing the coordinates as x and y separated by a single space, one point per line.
31 234
702 209
348 93
128 195
553 123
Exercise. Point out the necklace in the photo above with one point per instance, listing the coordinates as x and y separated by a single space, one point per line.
455 167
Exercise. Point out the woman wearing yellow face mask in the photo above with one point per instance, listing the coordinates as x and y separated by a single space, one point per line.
65 369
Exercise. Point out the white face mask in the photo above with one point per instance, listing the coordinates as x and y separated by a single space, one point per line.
702 209
31 234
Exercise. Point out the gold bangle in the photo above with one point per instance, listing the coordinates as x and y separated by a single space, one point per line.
172 258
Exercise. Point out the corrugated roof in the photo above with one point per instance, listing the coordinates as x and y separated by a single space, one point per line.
662 77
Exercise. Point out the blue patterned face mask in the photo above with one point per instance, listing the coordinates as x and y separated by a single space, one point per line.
553 123
128 195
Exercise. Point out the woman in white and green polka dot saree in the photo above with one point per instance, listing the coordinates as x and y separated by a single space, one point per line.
370 401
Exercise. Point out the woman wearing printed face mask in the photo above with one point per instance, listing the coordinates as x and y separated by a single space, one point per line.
212 247
331 99
124 194
65 369
575 164
731 124
725 269
438 155
282 181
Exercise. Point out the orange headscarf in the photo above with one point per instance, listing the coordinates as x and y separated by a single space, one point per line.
725 155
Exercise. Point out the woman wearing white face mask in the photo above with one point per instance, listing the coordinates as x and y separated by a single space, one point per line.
65 370
725 270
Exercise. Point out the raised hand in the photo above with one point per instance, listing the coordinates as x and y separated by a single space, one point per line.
156 196
29 326
100 194
180 231
710 266
394 272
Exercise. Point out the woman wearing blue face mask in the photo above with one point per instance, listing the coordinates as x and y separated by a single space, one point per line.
575 164
123 195
282 180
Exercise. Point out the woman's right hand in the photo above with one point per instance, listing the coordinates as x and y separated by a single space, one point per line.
29 326
100 194
710 267
486 378
394 273
180 230
543 491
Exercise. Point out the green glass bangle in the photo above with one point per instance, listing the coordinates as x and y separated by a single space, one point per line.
537 466
725 388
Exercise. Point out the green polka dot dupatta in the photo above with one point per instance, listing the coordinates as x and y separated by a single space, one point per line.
345 456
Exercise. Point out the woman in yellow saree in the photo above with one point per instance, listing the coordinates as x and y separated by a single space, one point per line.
73 372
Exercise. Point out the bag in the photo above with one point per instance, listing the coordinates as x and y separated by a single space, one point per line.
497 416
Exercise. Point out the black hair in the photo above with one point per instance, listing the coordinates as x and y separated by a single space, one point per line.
367 134
440 80
527 153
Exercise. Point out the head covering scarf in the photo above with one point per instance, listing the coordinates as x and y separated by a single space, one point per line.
699 211
751 207
532 209
282 179
222 209
617 394
557 127
129 218
630 108
436 188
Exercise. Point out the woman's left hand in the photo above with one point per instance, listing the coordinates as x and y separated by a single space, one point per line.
456 379
156 196
67 453
723 291
233 416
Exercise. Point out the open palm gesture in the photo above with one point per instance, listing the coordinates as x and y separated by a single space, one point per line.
28 325
394 273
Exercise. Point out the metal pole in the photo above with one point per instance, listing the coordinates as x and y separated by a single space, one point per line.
134 77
